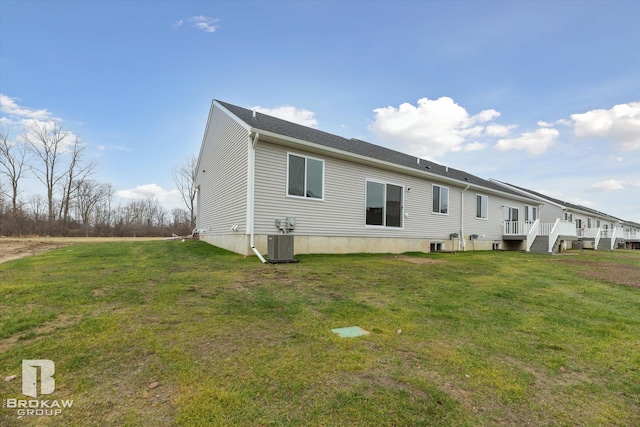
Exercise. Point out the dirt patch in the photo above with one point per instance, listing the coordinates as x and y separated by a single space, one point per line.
61 322
14 249
419 260
611 272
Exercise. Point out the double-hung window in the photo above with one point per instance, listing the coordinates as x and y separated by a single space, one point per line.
440 200
305 177
482 206
384 204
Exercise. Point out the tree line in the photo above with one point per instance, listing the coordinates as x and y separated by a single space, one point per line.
70 202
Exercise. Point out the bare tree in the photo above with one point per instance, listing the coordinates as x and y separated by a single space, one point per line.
13 162
88 194
76 173
185 179
47 141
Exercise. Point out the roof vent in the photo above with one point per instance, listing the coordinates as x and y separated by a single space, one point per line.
466 178
428 167
254 114
417 160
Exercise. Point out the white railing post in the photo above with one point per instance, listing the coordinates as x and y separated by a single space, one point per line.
598 237
532 234
553 235
613 238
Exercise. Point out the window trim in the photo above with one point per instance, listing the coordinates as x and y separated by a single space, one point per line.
487 199
306 158
440 200
384 211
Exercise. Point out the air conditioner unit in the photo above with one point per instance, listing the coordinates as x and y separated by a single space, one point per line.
280 248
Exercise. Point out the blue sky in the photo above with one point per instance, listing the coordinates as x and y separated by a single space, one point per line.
541 94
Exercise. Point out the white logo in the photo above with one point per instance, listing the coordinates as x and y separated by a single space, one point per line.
30 380
30 377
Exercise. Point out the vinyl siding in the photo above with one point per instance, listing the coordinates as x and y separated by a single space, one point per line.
490 228
223 184
342 212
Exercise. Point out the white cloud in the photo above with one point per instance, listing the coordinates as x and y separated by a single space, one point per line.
535 143
498 130
201 22
165 197
9 106
475 146
433 127
608 185
620 124
292 114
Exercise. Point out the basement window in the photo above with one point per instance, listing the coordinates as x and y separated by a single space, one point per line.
435 246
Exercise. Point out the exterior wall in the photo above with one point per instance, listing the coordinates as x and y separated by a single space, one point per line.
222 180
550 213
341 214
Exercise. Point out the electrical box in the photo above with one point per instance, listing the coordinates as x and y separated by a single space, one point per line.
286 225
280 248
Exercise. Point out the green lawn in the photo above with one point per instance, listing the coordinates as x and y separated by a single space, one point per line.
487 338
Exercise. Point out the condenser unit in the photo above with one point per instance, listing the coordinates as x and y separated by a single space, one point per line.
280 248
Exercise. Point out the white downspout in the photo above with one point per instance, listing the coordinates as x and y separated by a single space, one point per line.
461 242
251 189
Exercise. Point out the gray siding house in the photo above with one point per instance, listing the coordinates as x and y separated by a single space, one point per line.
259 175
578 224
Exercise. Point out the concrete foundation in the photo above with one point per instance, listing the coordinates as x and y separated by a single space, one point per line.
239 243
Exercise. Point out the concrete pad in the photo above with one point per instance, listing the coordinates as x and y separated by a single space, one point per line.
350 332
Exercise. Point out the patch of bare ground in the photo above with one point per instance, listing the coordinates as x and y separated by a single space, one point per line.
611 272
61 322
15 248
18 248
418 260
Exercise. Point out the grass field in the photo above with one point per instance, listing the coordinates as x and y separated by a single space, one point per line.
182 333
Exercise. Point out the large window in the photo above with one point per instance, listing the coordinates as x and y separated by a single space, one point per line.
305 177
384 204
482 206
440 200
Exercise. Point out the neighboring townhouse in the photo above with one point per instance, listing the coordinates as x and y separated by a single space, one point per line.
259 175
578 226
631 234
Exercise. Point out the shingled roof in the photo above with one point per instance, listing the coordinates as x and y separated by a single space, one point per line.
263 122
559 202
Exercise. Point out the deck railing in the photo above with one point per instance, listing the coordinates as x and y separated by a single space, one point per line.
632 235
561 228
533 232
617 233
597 238
517 228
